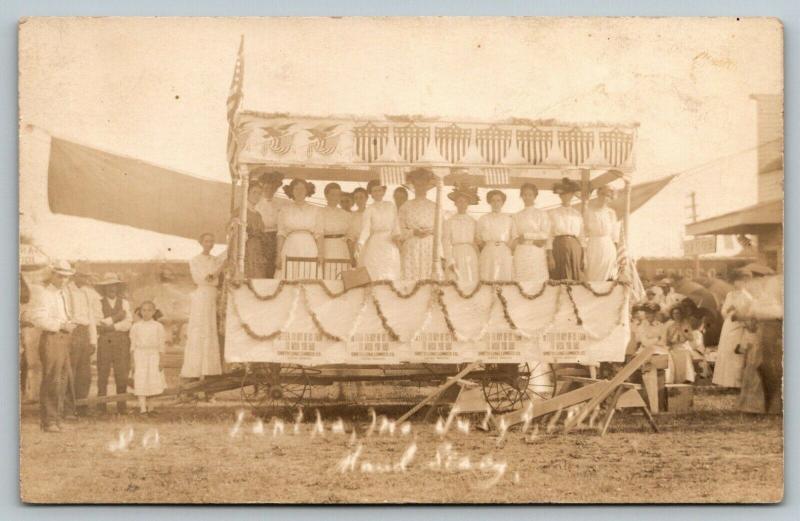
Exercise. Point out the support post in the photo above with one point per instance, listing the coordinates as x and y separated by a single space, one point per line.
626 219
586 189
242 227
437 229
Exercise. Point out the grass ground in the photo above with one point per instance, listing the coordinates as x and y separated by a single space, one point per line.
711 455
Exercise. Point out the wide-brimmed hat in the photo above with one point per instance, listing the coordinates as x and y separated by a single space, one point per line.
109 279
421 174
63 268
490 193
470 193
741 274
566 186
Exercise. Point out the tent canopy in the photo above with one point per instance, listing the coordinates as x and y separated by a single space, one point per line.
494 154
755 219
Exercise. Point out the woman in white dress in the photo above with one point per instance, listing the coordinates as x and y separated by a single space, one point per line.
731 352
300 232
496 233
336 223
376 249
533 229
417 218
201 356
601 226
458 238
359 198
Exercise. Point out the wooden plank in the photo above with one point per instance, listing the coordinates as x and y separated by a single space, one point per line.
439 390
560 402
615 382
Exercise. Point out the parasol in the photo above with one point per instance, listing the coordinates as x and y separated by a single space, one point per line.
704 299
719 288
686 286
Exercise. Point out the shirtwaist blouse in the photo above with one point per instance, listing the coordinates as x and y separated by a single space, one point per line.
300 224
530 261
458 244
379 254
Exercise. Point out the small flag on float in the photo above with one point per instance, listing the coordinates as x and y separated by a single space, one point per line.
496 176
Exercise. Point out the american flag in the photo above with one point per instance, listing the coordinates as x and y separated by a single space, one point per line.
626 271
235 96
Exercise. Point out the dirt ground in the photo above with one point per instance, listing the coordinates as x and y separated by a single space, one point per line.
710 455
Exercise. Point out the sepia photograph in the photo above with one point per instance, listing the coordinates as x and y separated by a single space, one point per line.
404 260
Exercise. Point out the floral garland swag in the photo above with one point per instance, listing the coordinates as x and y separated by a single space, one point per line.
437 299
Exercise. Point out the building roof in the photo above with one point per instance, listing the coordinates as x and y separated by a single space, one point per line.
759 218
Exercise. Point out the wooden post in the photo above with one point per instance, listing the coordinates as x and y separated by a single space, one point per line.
586 190
437 231
242 227
626 219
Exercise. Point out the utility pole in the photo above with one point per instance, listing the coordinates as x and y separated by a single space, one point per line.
693 208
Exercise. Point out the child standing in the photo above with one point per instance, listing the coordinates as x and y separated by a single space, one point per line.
147 343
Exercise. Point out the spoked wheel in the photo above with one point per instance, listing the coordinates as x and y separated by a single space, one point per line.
507 386
266 387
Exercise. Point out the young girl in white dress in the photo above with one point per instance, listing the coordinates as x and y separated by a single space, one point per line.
148 340
458 238
300 233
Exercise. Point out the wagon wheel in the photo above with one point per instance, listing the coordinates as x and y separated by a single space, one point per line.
266 387
506 386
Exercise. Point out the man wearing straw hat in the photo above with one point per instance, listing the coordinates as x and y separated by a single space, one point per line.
50 312
113 343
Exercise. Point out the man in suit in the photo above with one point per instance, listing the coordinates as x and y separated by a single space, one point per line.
50 312
85 305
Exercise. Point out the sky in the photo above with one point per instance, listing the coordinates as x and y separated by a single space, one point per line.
155 89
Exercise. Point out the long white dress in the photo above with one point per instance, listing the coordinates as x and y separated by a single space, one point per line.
601 227
459 248
148 340
417 252
201 356
496 231
530 261
730 365
379 254
300 225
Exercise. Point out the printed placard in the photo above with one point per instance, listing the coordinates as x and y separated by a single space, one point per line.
501 347
300 347
435 347
371 348
567 345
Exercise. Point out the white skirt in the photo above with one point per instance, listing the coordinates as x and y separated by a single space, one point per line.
601 259
148 379
381 257
496 262
201 355
530 263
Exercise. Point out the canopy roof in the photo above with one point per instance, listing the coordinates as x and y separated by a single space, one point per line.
502 153
755 219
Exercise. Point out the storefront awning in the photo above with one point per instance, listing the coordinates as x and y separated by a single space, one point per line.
755 219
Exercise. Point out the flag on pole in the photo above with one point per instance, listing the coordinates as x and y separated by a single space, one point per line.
235 96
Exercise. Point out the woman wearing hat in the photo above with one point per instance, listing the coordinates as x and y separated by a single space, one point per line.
496 232
336 223
255 247
269 207
300 231
734 336
376 249
417 218
458 238
533 229
566 227
602 230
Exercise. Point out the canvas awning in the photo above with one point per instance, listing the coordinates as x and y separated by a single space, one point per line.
755 219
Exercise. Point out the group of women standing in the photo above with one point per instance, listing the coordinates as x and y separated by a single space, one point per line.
395 240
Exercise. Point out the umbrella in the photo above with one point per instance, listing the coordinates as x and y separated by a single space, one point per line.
719 288
759 269
704 299
686 286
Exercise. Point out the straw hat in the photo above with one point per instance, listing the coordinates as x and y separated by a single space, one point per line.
471 193
566 186
63 268
109 279
266 176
